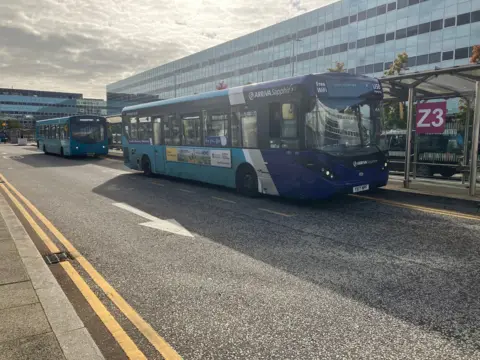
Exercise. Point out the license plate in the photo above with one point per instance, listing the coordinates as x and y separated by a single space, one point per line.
90 154
360 188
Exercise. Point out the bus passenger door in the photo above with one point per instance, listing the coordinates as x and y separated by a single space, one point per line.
159 149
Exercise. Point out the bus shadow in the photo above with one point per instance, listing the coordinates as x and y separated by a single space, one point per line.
41 160
406 272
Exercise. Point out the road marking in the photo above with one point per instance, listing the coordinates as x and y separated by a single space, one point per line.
170 225
224 200
112 325
276 212
145 328
421 208
156 183
126 343
187 191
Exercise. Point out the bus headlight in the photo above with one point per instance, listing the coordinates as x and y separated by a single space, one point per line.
327 173
76 147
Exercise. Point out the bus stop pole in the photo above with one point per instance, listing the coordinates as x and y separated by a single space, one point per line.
465 140
475 137
411 99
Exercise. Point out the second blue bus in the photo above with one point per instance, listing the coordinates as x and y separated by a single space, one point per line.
304 137
82 135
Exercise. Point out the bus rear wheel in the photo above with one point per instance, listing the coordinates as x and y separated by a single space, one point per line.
247 181
146 166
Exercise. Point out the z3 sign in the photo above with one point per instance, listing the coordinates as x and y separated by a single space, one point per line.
431 117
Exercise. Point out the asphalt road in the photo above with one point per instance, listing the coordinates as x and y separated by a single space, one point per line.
264 278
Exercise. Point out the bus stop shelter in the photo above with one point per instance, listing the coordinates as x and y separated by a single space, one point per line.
454 82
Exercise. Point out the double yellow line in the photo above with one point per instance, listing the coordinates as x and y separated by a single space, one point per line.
125 342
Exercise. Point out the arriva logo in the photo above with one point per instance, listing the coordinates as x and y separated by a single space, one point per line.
271 92
364 162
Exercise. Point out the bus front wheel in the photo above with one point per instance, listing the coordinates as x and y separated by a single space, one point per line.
247 181
146 166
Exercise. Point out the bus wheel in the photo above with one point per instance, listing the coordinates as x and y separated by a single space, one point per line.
61 152
146 166
246 181
424 171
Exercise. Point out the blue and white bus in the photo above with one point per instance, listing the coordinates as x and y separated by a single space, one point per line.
80 135
304 137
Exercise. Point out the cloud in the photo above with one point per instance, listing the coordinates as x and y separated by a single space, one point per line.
80 46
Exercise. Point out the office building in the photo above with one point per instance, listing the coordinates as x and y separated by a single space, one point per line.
27 106
366 35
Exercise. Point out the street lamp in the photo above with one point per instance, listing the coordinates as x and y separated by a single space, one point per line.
293 54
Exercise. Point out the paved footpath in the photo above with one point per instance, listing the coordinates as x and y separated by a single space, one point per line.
37 321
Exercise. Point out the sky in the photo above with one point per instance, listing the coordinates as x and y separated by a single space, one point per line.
82 45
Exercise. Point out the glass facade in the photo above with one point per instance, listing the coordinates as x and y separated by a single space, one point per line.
27 106
366 35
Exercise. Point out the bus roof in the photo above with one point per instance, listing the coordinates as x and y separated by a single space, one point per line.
252 88
45 121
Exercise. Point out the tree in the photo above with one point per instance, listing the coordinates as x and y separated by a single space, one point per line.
394 113
339 67
13 124
461 116
475 59
399 64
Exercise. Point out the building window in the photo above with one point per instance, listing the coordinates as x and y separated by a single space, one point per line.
402 4
463 19
461 53
401 33
379 39
436 25
447 55
422 60
449 22
390 36
424 28
435 58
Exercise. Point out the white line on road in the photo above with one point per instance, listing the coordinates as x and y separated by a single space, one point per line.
276 212
224 200
170 225
187 191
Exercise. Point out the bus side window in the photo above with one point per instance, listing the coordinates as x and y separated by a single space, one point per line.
216 129
157 130
173 133
249 129
236 133
191 129
144 128
283 126
133 128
